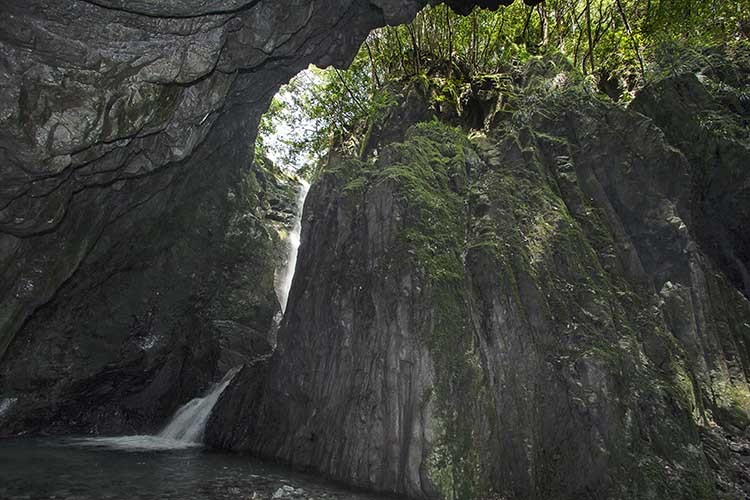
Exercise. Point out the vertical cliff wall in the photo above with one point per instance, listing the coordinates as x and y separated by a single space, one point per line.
526 311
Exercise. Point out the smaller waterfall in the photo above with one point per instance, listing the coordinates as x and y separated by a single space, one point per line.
189 423
287 274
187 426
184 430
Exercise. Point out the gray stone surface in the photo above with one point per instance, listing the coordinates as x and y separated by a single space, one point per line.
529 314
126 136
541 313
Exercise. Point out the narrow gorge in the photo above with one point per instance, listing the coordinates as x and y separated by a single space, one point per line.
511 270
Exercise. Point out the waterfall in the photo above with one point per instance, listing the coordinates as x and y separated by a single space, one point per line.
189 423
184 430
287 274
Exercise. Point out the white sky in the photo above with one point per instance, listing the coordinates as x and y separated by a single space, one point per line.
291 124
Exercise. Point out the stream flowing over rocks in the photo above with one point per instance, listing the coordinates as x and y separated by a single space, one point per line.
537 294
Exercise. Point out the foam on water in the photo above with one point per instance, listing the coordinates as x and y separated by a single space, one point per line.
185 430
189 423
135 443
6 404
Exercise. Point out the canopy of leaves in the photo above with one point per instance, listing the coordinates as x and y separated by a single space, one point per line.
621 43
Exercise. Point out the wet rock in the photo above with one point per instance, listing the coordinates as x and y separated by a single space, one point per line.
118 354
288 492
239 344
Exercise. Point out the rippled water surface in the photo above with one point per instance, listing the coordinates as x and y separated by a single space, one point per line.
79 469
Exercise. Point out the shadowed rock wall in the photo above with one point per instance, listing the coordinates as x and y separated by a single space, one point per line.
126 133
526 311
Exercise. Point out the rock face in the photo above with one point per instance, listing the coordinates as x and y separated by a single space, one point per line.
708 121
548 309
528 311
125 226
119 347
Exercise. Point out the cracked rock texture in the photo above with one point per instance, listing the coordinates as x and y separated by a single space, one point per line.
528 311
126 132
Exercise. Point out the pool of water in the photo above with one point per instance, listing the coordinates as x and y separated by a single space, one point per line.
83 469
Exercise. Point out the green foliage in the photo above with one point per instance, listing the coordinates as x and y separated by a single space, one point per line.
431 162
267 127
599 36
619 42
319 109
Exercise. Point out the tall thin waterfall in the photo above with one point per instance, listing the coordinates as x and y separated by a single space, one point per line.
284 283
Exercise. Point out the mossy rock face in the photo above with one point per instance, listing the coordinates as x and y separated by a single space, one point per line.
521 311
263 208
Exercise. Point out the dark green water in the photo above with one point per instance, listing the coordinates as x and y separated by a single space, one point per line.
72 470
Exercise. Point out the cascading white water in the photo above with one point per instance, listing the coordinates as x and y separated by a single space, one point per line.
184 430
189 423
287 273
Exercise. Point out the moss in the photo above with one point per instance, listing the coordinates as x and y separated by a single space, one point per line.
429 175
550 248
428 172
599 316
355 175
731 398
255 245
